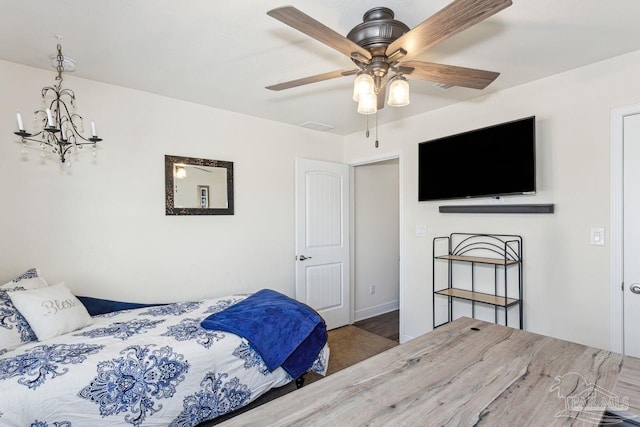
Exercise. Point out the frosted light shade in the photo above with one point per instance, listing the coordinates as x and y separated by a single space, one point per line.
398 93
181 172
368 103
364 84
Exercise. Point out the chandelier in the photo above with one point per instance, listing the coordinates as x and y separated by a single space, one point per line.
57 126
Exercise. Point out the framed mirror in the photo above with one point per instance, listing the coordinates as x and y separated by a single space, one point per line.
198 186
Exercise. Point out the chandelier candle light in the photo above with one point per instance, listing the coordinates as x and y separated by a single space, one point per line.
57 125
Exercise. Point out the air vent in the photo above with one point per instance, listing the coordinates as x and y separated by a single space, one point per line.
442 86
316 126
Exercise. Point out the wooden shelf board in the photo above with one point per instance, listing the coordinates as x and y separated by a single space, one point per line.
477 296
483 260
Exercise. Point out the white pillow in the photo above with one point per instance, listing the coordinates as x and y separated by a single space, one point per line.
51 311
30 279
14 329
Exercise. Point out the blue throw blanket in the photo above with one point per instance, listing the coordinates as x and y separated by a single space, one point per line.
283 331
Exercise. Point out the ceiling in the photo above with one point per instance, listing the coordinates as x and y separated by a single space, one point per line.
223 53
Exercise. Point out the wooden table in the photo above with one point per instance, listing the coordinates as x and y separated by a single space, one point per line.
467 372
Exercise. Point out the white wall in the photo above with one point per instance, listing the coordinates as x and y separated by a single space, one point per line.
376 238
566 281
101 226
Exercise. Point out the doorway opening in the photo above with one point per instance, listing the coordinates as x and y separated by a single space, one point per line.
376 266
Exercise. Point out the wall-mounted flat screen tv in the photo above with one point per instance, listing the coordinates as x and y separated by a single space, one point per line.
493 161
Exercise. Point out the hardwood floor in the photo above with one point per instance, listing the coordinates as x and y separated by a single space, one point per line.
386 325
348 346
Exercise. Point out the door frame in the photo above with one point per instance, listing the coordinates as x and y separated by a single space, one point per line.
361 162
617 212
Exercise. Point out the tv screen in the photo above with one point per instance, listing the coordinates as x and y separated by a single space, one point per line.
493 161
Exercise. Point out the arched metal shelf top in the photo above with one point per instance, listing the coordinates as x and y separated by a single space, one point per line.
505 246
497 250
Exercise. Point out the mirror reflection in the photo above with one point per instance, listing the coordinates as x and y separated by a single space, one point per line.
197 186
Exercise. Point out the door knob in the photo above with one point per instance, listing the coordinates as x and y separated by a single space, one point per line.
302 258
635 288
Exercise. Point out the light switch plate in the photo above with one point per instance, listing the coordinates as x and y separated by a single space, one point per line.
421 231
597 236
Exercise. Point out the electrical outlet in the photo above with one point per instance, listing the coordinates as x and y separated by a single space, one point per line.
373 289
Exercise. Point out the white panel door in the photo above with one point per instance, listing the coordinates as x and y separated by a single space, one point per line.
322 239
631 227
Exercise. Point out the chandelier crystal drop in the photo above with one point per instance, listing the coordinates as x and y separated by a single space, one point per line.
57 126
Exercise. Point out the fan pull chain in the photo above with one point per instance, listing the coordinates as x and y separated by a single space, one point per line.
376 129
366 134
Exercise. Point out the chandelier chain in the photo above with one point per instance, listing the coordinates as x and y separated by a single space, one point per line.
59 67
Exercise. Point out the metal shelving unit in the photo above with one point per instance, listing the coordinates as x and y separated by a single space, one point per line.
501 251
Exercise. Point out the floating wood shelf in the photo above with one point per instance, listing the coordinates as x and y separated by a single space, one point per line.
535 209
478 297
482 260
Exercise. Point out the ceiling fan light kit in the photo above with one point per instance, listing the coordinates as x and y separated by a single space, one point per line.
368 103
399 92
381 47
362 85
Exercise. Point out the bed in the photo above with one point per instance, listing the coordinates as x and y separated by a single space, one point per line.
145 366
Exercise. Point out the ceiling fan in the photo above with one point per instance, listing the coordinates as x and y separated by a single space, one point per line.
382 48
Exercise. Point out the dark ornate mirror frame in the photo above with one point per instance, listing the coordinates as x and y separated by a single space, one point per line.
169 161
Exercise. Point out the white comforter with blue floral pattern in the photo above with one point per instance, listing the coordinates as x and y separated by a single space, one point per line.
152 366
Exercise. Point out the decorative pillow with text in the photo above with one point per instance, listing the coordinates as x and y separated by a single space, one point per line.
51 311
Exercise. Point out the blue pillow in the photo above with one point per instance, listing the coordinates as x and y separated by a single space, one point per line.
96 306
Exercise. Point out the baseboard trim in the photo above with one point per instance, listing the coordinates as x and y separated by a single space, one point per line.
377 310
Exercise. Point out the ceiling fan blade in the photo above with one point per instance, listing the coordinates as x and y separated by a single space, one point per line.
312 79
454 18
451 75
304 23
405 70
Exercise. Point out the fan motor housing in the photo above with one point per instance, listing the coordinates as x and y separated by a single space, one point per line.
377 31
